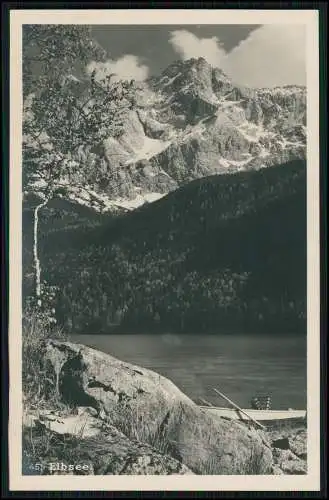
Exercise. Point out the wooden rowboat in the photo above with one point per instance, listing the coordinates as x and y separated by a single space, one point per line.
259 415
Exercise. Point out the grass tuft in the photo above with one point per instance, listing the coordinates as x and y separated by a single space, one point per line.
38 379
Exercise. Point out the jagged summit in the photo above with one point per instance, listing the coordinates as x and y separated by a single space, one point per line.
179 64
194 73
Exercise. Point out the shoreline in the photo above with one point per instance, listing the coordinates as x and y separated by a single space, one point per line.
125 419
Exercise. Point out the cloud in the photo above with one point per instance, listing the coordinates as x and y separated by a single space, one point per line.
272 55
127 67
189 45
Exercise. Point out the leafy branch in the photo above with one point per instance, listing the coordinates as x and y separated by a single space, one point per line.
64 115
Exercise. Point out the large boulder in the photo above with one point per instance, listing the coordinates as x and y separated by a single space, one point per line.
144 405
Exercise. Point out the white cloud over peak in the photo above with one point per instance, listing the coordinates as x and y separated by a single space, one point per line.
127 67
272 55
188 45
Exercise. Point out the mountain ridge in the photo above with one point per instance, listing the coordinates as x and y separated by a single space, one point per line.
191 122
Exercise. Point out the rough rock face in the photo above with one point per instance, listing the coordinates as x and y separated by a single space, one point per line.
102 448
142 403
202 124
286 462
190 122
289 447
197 123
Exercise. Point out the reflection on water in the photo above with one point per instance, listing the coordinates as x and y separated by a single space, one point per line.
239 366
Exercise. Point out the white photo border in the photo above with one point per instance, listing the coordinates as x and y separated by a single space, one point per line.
308 482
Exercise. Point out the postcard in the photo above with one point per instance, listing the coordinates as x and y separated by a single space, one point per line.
164 328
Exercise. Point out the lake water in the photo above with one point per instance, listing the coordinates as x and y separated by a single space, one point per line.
239 366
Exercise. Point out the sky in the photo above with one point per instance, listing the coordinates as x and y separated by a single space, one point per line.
253 55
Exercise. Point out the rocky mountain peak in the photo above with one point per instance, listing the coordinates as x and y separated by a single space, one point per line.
194 76
198 63
191 122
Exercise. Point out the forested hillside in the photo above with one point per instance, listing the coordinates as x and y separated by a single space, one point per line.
225 253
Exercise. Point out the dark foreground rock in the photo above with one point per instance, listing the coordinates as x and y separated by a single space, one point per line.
141 407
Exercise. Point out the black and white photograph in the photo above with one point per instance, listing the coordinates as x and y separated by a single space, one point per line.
164 248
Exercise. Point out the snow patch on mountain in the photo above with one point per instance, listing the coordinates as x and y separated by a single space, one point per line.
150 147
253 132
139 200
102 203
169 81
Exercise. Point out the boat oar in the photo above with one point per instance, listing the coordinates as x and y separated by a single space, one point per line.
238 408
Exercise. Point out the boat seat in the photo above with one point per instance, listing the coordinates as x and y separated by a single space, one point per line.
261 403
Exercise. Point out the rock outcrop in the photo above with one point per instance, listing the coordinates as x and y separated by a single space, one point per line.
289 447
97 447
135 403
286 462
199 123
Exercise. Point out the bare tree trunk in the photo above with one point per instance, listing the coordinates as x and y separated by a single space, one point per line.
37 265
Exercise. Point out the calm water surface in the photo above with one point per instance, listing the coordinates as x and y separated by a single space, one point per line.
239 365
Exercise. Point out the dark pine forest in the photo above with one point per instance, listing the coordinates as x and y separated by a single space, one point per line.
224 254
